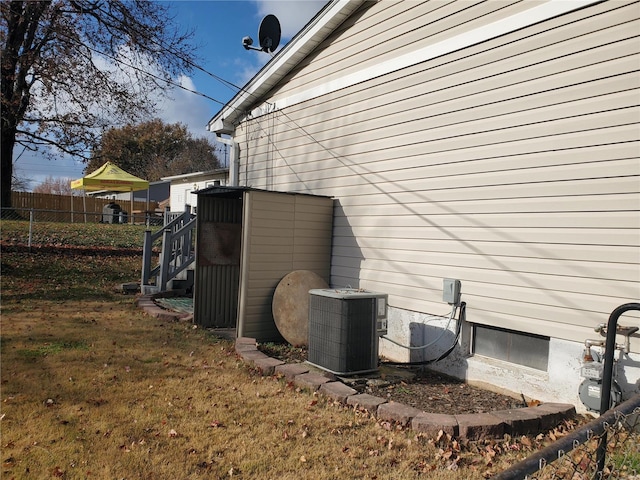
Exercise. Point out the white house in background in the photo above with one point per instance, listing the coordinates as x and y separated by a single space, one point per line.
157 192
182 186
496 143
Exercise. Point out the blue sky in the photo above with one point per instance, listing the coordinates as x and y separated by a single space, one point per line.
219 27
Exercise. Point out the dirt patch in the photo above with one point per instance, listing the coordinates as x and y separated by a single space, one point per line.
423 389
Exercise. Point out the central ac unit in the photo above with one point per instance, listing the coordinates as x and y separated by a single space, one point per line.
344 326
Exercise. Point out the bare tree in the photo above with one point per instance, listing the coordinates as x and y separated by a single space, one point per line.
72 68
55 186
20 183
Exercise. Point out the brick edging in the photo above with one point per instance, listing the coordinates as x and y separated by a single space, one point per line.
151 308
476 426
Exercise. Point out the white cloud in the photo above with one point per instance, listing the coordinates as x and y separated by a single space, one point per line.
185 107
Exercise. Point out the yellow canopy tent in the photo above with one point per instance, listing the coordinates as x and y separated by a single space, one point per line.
112 178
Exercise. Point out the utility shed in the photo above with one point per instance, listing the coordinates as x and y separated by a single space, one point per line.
247 241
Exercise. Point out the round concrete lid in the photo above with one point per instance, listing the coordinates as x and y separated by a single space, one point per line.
291 305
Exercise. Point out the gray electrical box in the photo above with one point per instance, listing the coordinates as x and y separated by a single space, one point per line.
451 291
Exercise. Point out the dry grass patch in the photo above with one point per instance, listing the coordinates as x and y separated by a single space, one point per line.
93 388
111 393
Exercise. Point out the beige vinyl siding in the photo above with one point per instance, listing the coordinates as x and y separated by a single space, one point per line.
282 233
512 165
391 27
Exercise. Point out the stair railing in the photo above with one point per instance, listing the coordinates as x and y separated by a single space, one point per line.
176 254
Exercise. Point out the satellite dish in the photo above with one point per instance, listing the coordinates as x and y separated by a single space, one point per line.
268 35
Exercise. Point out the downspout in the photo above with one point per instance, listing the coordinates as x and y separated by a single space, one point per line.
234 163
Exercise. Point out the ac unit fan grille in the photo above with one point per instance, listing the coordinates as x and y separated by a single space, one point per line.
342 334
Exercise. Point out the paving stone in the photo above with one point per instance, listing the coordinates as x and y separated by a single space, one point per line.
366 402
145 301
551 414
397 412
519 421
337 391
310 380
160 314
245 347
267 365
290 370
431 424
245 344
154 311
252 355
476 426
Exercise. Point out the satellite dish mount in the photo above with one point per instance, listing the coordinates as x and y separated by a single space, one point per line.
268 35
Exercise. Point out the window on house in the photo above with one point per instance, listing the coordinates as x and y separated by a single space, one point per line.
511 346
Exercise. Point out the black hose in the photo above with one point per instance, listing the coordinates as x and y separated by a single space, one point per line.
461 317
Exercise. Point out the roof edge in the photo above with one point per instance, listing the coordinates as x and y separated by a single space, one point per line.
195 174
318 28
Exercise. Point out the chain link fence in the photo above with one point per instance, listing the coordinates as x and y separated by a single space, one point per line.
607 448
107 214
27 228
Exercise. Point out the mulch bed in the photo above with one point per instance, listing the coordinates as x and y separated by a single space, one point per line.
427 390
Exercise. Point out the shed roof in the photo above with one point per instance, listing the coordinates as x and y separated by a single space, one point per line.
236 192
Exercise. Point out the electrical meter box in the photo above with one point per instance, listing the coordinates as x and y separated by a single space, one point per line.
451 291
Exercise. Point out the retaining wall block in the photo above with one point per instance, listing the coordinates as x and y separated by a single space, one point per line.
311 381
337 391
267 365
432 423
397 412
290 370
477 426
367 402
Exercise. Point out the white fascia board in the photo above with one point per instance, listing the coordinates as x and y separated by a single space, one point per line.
194 174
536 14
301 45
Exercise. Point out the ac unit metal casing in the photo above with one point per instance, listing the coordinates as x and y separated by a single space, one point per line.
344 325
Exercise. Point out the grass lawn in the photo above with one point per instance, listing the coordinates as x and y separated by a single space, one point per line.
93 388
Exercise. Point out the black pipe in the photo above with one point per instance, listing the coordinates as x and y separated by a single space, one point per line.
609 350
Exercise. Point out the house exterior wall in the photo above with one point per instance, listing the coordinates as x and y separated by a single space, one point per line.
508 161
183 187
